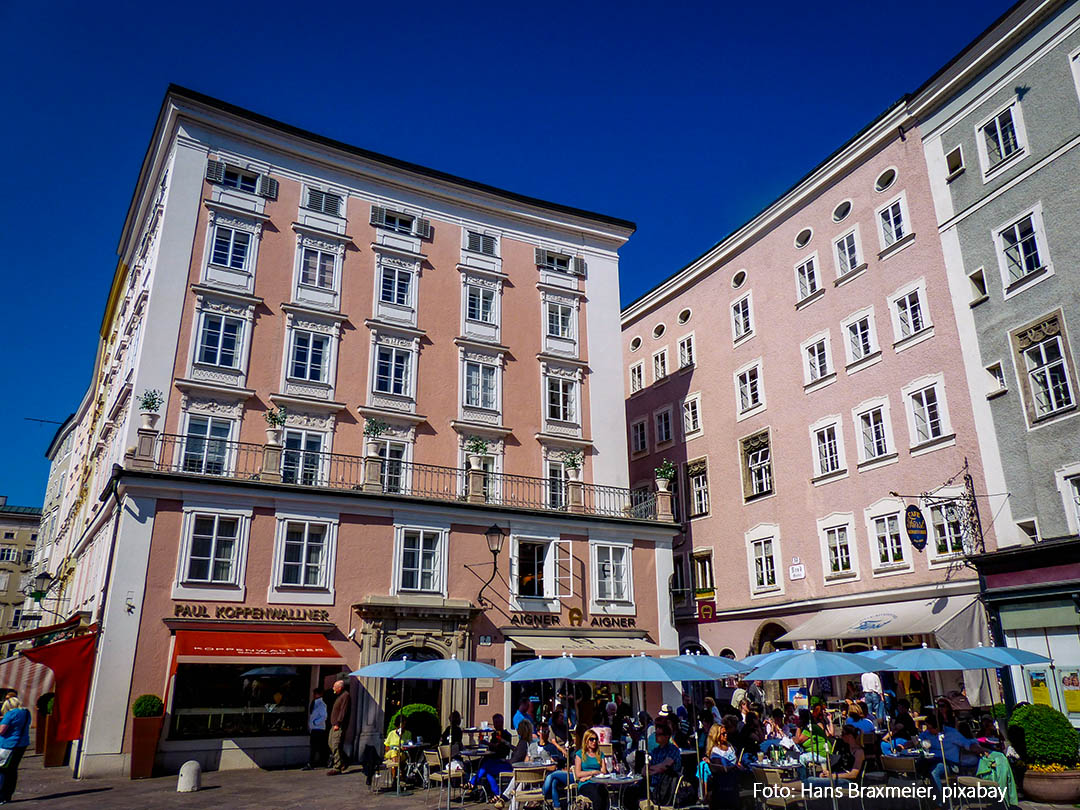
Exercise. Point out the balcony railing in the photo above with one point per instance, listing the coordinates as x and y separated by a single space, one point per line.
221 458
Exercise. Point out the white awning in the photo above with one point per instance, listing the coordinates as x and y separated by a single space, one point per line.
917 617
587 645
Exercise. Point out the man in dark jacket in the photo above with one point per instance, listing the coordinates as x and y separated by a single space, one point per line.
339 721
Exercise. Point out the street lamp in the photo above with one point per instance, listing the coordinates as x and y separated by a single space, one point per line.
495 537
41 585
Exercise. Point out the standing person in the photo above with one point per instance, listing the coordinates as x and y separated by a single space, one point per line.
339 721
524 712
14 738
756 692
739 694
714 712
316 731
874 697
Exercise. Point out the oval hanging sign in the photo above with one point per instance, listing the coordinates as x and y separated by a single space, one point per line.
915 524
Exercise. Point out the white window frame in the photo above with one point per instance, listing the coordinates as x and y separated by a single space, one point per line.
902 341
693 492
442 549
482 293
813 260
872 356
492 367
660 358
756 408
661 416
302 467
326 367
322 592
836 422
1068 484
692 401
556 587
312 294
220 275
990 171
905 223
741 337
890 454
240 350
934 559
908 392
639 368
1074 65
809 383
610 605
760 532
230 449
687 351
481 234
569 406
842 273
235 590
643 424
832 523
571 321
394 272
408 378
882 510
404 483
1045 271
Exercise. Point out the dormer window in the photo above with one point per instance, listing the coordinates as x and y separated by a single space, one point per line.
559 262
250 182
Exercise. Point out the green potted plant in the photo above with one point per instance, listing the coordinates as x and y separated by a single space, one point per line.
147 718
150 402
572 461
275 422
373 429
1048 745
665 474
476 448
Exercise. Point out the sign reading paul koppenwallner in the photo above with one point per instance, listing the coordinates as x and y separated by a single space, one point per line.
915 524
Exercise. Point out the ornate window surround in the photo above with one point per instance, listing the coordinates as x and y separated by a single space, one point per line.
392 313
302 318
318 239
209 300
400 338
478 330
241 220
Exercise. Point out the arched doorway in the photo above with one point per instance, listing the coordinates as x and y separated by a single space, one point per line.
400 693
766 641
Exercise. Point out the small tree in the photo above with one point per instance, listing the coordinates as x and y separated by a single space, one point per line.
275 417
666 470
573 459
373 428
151 400
477 445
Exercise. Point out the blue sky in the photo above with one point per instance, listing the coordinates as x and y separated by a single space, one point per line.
686 118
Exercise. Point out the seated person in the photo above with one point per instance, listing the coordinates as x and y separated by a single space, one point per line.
393 756
860 721
815 731
539 747
588 764
960 751
849 763
720 770
904 718
495 760
989 736
452 735
665 765
893 743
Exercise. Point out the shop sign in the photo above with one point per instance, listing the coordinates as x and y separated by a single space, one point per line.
575 618
234 613
915 524
706 612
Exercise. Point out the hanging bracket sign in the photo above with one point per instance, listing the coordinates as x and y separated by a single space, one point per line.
915 524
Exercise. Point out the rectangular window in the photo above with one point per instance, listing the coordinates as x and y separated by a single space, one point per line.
317 269
1048 376
954 163
546 260
211 557
301 457
219 340
999 137
948 538
659 365
234 178
817 360
556 485
396 286
740 318
924 409
758 460
560 320
1020 244
847 253
402 223
323 202
874 441
543 569
231 247
612 581
828 451
703 573
909 313
480 243
691 416
480 304
637 378
892 223
764 564
839 550
749 390
560 399
890 548
420 565
309 356
304 560
686 351
8 553
393 470
16 617
860 339
530 565
1072 488
480 385
206 446
392 367
807 276
698 476
638 439
663 427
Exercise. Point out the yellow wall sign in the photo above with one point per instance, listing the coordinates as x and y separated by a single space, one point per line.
1040 692
1070 690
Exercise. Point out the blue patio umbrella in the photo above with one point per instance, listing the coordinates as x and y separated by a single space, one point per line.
876 653
642 669
933 659
752 661
1009 656
448 669
385 669
719 667
813 664
549 669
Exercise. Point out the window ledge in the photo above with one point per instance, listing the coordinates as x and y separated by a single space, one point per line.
864 362
686 368
771 591
811 298
1036 275
741 339
841 576
535 604
880 461
828 477
982 299
1037 420
300 595
948 440
851 274
819 383
914 339
950 177
759 496
995 394
754 411
892 568
636 454
664 445
896 246
939 560
661 380
1003 164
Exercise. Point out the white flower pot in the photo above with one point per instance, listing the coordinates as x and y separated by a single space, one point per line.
476 461
574 473
663 484
273 436
149 419
372 448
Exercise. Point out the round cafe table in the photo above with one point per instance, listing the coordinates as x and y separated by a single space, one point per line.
615 786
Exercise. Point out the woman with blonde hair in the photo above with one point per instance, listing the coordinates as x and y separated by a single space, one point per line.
14 738
722 779
588 764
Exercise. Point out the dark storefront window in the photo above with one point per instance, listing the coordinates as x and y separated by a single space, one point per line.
239 700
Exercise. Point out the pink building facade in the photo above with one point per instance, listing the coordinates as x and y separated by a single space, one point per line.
425 346
806 380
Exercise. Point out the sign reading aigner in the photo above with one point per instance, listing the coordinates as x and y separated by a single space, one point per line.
915 524
233 613
574 617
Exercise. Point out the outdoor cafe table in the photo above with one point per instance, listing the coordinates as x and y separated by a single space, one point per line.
788 767
615 786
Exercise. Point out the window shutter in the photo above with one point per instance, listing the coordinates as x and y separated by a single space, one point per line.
541 257
579 266
332 204
487 245
215 171
316 200
475 242
422 228
516 550
267 187
378 215
564 580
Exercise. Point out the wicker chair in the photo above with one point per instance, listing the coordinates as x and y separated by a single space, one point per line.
529 786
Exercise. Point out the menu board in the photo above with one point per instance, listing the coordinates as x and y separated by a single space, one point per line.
1040 692
1070 690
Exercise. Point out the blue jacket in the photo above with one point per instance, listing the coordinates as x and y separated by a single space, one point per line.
18 729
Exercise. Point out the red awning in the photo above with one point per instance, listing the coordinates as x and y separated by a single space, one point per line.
223 647
72 663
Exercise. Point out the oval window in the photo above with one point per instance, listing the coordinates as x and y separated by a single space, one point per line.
738 279
684 316
635 344
841 211
658 330
885 179
804 237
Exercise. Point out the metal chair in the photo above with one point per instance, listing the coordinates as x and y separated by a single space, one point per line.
984 803
439 774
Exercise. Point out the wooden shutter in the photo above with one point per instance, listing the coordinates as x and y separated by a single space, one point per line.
316 200
267 187
564 573
578 266
378 215
332 204
475 242
422 228
541 257
215 171
487 245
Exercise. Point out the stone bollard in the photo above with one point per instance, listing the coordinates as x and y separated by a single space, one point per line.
190 777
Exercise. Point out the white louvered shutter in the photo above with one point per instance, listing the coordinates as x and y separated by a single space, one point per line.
422 228
564 574
215 171
378 215
541 257
267 187
332 204
316 200
579 266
